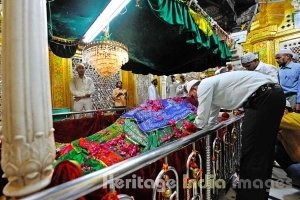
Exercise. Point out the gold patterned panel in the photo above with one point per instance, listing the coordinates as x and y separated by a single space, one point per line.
60 75
269 14
265 50
265 33
247 47
287 23
272 26
129 83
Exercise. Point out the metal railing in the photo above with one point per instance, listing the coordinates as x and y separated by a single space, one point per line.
89 111
62 116
93 181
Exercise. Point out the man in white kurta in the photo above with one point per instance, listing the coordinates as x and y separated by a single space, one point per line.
81 88
171 88
152 90
180 90
263 101
251 62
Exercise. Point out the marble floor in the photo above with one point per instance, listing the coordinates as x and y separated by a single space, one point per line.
281 189
281 186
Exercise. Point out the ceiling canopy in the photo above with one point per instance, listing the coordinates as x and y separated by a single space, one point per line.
163 36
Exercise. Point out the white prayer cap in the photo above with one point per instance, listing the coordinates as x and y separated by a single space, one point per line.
285 51
79 65
248 57
191 84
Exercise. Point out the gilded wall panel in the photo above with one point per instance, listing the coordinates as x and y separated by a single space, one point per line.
60 74
129 83
273 26
265 50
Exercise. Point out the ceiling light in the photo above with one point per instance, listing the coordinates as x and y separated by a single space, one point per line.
110 12
105 56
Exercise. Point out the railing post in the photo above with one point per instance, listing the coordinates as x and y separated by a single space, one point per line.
208 170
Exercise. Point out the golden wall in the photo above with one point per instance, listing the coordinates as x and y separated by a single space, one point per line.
60 75
129 83
273 25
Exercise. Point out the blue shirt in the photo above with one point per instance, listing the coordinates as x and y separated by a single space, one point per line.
289 78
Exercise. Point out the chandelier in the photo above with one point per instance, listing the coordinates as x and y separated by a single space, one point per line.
106 56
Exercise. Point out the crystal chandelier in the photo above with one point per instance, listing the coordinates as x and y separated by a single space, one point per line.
106 56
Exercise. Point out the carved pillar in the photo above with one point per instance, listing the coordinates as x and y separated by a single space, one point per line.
28 148
163 80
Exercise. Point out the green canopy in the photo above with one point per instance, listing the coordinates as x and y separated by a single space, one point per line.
161 35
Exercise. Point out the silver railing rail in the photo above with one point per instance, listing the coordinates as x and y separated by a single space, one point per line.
89 111
93 181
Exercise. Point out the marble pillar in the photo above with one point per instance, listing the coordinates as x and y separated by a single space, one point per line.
163 83
28 149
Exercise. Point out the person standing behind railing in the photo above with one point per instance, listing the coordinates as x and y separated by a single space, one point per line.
264 102
152 90
119 95
171 88
251 62
81 88
289 77
180 91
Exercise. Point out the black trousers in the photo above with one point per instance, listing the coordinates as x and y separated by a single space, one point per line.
260 126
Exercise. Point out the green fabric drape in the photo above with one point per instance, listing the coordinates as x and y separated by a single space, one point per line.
177 13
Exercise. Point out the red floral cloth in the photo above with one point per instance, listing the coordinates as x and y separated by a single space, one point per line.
100 152
69 130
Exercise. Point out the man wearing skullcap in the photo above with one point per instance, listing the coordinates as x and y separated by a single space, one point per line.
152 90
191 90
180 91
171 87
289 77
81 88
263 101
251 62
